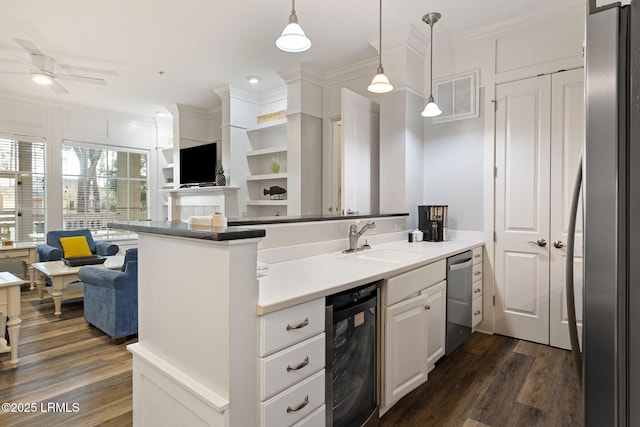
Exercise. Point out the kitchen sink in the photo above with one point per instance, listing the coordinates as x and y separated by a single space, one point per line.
385 255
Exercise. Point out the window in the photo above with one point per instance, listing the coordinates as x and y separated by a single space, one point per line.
22 195
101 185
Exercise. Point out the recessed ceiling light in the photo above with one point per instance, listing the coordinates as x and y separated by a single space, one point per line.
254 80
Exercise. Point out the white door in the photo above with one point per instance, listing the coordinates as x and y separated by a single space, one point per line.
405 347
567 138
523 113
360 153
539 135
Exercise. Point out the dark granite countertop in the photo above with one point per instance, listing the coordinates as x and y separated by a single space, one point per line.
182 229
304 218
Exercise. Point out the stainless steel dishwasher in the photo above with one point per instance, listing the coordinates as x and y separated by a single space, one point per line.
459 278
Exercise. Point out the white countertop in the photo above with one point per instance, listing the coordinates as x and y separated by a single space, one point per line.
298 281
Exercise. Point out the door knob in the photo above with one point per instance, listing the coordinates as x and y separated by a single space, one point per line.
540 242
558 244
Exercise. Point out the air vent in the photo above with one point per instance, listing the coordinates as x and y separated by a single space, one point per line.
457 96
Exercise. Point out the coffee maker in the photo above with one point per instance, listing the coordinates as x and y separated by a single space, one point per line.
432 221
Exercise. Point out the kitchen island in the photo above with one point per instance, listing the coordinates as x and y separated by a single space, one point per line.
204 319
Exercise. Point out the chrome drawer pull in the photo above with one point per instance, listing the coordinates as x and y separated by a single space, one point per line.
476 313
476 290
477 256
300 406
300 366
477 273
299 325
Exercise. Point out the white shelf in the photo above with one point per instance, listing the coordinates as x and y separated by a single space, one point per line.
270 150
267 202
267 176
168 166
268 125
165 148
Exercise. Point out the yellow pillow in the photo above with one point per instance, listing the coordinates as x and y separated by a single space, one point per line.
75 246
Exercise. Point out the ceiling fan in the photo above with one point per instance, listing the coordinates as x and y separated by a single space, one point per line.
43 69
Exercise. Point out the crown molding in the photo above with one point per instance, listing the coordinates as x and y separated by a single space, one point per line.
65 105
304 72
406 37
350 72
534 19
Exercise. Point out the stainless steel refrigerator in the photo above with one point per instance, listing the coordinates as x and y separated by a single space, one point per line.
611 169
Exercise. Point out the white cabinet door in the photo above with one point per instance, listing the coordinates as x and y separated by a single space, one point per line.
436 321
405 347
522 189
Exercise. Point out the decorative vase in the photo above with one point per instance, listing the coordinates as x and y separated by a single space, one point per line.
221 180
275 165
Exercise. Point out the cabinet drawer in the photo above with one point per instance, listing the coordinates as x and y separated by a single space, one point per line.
15 253
477 272
291 325
411 283
477 255
293 404
291 365
476 312
317 419
476 289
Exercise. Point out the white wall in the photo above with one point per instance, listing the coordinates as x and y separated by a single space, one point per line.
55 121
458 155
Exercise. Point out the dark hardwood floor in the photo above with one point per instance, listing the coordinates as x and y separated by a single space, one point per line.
495 381
490 381
65 362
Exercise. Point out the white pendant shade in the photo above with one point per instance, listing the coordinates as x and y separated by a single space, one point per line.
380 83
293 38
431 109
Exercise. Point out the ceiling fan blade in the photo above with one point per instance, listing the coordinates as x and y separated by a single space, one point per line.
72 69
28 46
82 79
57 87
13 72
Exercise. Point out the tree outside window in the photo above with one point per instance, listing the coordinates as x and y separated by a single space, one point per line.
101 185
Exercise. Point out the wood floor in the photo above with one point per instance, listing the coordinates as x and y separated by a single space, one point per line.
490 381
495 381
66 362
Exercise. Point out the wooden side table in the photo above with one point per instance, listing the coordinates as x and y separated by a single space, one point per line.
10 307
26 252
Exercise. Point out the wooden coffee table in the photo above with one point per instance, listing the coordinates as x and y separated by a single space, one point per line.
62 275
10 307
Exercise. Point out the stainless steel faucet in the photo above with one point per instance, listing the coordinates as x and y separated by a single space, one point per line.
354 235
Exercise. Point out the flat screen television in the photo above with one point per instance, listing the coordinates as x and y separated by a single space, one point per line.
198 164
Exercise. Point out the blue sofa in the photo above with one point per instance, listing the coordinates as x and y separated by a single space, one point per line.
111 297
52 250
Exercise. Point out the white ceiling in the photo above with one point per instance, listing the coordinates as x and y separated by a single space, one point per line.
204 44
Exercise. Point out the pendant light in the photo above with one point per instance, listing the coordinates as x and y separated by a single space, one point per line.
380 82
292 38
431 109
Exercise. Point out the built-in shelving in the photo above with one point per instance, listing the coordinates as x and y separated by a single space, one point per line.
268 143
267 176
266 151
268 125
267 202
